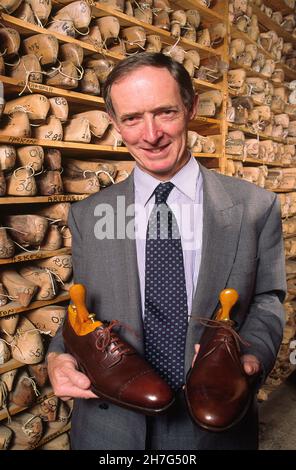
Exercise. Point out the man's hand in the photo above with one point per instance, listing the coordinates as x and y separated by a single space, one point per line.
250 363
67 382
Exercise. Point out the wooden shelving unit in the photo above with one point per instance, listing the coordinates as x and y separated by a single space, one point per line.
42 199
216 126
21 257
12 308
14 409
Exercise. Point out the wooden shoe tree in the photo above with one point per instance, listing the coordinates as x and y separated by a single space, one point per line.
228 298
80 319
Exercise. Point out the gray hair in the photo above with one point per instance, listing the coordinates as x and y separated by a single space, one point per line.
150 59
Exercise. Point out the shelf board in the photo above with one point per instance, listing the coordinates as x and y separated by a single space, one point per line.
28 29
35 255
252 73
41 199
257 161
12 85
14 308
255 134
290 74
282 190
268 24
50 436
68 147
205 155
99 10
208 15
280 5
10 365
237 34
204 85
15 409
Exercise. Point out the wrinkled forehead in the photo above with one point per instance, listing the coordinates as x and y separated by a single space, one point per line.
147 86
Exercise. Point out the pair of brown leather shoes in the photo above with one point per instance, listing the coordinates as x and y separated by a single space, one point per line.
217 389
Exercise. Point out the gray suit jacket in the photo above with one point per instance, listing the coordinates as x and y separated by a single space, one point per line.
242 248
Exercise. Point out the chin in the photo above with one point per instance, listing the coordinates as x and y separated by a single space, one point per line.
160 169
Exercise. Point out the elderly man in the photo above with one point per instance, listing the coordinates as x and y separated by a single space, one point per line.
226 233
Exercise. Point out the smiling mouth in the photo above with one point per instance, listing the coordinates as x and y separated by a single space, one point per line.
156 150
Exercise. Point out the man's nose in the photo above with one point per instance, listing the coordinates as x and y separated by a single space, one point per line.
152 130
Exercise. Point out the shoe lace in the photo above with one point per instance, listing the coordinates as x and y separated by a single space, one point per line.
106 336
227 340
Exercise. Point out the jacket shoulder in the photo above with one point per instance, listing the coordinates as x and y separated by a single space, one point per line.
241 191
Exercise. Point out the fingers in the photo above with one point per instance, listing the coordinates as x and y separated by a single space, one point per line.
251 364
66 380
196 349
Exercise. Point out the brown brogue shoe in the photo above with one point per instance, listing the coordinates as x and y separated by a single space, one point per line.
117 372
217 389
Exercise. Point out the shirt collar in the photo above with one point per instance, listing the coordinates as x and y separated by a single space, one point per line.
185 181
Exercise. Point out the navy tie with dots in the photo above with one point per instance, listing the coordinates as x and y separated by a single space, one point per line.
165 321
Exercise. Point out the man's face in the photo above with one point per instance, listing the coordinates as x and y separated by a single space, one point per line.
152 119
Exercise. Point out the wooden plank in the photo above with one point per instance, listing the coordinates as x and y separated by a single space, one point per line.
249 131
203 85
14 409
41 199
268 24
237 34
100 10
21 257
252 73
10 365
205 155
280 5
65 146
258 161
12 85
28 29
209 15
14 308
50 435
290 74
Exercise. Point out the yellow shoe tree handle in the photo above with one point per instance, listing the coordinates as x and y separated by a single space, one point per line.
83 321
78 295
228 298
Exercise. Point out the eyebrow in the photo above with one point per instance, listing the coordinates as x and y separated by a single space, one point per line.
155 110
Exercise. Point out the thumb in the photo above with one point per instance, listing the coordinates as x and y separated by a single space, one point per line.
80 380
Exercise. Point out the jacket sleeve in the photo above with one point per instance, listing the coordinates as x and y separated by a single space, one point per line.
57 343
263 327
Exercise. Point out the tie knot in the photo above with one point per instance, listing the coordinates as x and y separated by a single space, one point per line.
162 192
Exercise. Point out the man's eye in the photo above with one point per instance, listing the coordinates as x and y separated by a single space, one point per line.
130 120
168 112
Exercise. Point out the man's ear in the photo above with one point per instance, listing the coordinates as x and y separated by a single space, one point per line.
114 122
193 111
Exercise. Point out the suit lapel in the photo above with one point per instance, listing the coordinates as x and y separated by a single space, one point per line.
127 274
221 229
